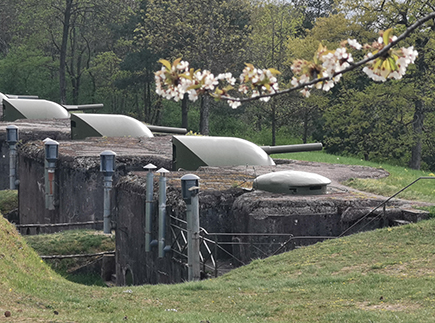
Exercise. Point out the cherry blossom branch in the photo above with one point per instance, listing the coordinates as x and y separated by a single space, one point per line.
176 79
352 66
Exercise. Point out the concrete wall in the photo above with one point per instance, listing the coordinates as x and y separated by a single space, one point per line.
78 194
78 180
29 130
147 268
144 267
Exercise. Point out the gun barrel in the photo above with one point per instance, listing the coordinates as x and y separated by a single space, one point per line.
84 107
162 129
291 148
20 96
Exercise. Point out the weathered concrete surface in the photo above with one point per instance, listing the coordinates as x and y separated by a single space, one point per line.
227 205
215 215
79 183
29 130
308 220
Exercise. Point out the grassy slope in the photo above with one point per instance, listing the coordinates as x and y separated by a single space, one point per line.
335 281
8 200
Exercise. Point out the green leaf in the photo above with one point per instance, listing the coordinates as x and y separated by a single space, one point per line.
165 63
176 62
274 71
386 36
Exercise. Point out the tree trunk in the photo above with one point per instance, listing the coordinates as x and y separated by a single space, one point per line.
417 123
63 51
305 135
204 115
273 123
184 110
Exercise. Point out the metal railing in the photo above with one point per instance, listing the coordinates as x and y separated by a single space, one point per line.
383 204
39 226
212 243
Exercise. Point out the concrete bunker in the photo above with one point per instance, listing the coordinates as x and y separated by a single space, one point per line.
228 210
248 224
78 178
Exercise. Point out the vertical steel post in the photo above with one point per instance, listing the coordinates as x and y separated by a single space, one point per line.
12 139
107 166
46 183
148 205
162 211
107 228
195 239
51 156
12 166
189 242
190 189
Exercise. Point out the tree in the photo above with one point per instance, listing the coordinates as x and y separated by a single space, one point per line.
311 10
323 72
8 14
26 70
273 22
373 124
209 33
71 31
401 14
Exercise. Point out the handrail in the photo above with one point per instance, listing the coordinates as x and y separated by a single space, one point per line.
385 202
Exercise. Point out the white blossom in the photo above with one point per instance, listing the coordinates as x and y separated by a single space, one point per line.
353 43
234 104
183 66
306 92
193 95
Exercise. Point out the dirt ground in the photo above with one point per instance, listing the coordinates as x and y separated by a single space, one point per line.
337 173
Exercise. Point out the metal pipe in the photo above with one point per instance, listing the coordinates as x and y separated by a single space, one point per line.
107 167
162 211
107 228
51 156
189 242
19 96
12 140
291 148
12 166
181 131
84 107
50 193
148 205
46 183
194 267
189 191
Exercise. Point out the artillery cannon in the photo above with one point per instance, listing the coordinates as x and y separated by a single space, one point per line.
192 152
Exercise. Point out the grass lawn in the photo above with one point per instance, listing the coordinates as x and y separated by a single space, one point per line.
380 276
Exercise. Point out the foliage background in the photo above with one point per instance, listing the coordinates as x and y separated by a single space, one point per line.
82 51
